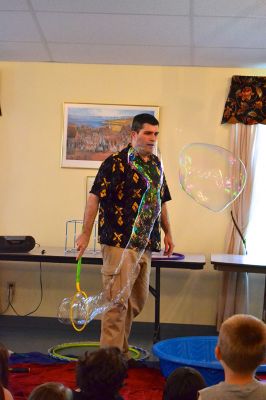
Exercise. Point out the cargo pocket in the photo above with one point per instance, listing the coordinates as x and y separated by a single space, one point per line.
110 272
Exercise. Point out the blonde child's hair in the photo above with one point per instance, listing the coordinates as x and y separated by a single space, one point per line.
242 343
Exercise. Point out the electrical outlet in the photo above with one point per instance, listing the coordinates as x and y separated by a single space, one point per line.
11 291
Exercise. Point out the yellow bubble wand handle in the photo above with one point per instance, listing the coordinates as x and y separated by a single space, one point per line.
78 292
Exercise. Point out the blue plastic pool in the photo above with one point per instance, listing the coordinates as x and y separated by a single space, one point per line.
192 351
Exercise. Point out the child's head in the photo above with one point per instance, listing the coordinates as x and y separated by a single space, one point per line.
51 391
102 372
183 384
242 343
4 356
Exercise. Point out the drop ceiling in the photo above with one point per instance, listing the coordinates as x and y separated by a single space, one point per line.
214 33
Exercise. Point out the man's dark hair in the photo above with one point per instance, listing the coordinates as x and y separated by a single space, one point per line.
100 374
141 119
183 384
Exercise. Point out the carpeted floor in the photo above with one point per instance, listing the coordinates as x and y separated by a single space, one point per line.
141 383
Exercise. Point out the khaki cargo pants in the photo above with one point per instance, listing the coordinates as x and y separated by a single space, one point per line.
126 282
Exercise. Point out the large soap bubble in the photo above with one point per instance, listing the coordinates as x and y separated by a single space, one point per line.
74 309
80 309
211 175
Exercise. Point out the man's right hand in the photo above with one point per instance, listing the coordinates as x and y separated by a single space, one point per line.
82 243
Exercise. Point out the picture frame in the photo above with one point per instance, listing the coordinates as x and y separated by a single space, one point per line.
92 132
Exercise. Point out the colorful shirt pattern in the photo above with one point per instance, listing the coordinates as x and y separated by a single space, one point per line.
120 189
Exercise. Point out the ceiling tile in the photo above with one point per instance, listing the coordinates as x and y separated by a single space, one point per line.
155 7
234 8
148 32
229 32
115 29
18 26
14 5
135 55
228 57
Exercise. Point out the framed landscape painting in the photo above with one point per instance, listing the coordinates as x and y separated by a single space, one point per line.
92 132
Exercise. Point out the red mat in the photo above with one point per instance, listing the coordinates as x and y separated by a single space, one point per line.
141 383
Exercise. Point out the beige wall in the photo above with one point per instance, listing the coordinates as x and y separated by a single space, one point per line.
38 196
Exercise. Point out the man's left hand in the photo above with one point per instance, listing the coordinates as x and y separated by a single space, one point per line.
168 245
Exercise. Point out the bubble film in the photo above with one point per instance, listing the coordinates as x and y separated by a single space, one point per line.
73 309
63 313
83 309
211 175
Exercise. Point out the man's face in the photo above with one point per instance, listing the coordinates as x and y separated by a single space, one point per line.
145 140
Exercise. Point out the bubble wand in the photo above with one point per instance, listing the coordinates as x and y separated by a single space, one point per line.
76 296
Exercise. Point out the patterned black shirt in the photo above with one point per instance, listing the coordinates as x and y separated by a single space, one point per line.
120 189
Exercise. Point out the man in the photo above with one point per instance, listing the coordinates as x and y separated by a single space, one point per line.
117 193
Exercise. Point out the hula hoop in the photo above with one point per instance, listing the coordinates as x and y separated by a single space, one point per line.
137 352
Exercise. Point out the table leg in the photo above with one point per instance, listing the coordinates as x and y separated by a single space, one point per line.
264 303
156 293
157 327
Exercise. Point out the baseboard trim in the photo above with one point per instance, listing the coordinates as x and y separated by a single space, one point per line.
140 329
